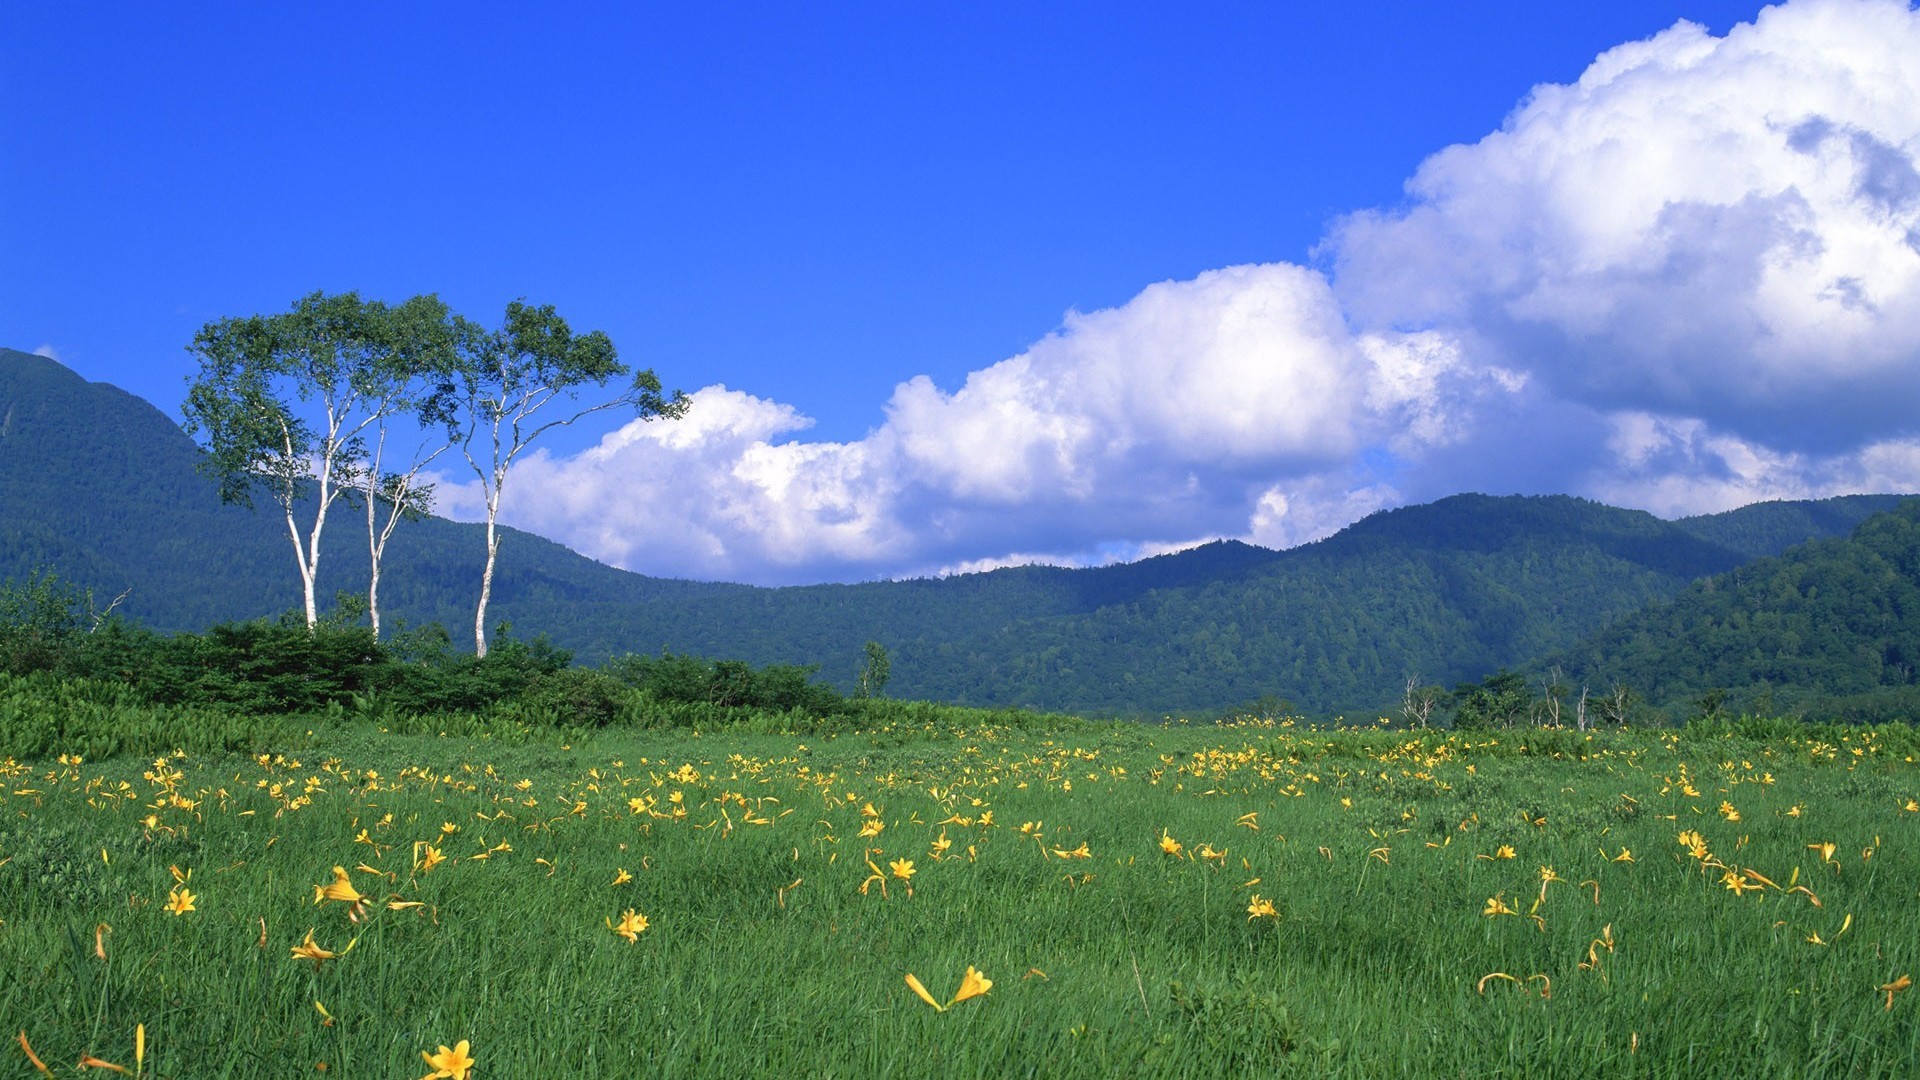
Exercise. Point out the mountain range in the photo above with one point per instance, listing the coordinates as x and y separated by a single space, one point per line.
101 487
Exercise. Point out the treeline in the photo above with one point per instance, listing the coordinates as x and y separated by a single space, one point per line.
61 647
1828 631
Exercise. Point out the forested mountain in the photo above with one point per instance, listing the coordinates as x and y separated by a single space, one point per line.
100 487
1830 628
1770 528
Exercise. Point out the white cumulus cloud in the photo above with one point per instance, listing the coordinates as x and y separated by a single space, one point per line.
1687 280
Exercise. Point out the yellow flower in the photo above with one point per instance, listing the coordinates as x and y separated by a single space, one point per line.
340 889
454 1064
873 827
1895 987
972 985
430 857
1168 844
913 984
308 950
1081 852
33 1057
902 869
1261 908
1738 885
630 926
621 877
1497 906
1727 811
1624 856
1504 851
180 901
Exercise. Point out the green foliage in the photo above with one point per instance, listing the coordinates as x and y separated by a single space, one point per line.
1828 630
729 684
1500 700
41 622
1242 1028
42 714
876 667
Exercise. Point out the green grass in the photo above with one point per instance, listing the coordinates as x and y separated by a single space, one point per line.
1131 962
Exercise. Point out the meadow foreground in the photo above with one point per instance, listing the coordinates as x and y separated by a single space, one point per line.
972 901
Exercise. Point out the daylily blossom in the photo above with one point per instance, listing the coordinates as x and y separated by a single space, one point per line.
630 926
450 1064
972 985
309 950
180 901
341 889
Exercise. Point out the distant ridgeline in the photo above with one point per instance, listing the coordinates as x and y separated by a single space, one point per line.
100 487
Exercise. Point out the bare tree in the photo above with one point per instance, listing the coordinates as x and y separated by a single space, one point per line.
506 380
1553 694
1615 707
1418 703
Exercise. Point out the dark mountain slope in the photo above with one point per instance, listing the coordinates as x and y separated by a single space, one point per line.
1770 528
1832 625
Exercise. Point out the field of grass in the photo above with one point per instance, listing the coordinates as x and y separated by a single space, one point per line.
1248 900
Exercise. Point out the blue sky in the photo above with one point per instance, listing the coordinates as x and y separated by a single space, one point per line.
945 262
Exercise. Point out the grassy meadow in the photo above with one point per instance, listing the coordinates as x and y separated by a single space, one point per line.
1238 900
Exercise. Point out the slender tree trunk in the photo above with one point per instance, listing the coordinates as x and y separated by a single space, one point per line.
375 542
486 586
306 572
493 551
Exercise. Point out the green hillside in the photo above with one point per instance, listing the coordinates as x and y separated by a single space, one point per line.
1770 528
100 486
1830 628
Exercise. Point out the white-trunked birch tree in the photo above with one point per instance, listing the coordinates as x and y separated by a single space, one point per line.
413 373
506 380
285 403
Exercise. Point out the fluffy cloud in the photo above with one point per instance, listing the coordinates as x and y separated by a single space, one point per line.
1721 228
1689 280
1127 432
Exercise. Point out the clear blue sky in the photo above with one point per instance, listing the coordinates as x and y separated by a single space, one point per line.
811 204
807 202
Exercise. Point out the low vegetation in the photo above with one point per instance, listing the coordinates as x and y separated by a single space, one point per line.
965 895
383 852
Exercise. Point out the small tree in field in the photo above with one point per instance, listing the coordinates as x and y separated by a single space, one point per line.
1418 702
504 385
876 668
